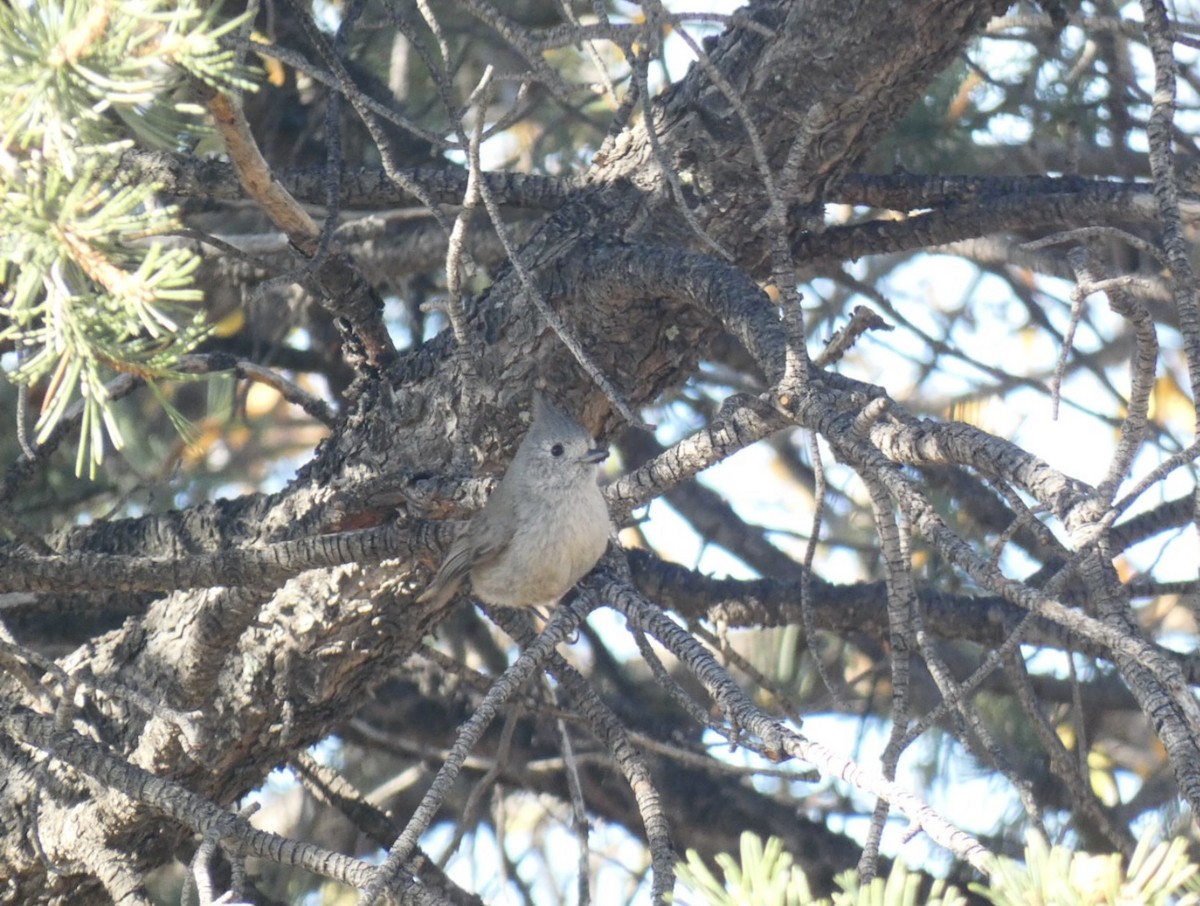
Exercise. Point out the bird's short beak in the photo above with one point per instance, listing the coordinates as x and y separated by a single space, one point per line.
599 454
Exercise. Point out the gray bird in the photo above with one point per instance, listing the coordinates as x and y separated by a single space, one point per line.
543 528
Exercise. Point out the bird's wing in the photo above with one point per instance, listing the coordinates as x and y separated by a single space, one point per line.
484 539
492 528
451 573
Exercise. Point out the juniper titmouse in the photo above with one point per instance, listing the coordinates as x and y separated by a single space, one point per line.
544 526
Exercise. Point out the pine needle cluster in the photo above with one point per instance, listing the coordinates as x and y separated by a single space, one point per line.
89 292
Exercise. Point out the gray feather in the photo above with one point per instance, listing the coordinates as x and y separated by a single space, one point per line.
544 526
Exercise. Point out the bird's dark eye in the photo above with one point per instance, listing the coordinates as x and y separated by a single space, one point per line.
556 450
